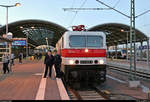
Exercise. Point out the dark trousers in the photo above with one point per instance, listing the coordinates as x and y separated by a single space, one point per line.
12 61
48 67
20 60
57 69
5 67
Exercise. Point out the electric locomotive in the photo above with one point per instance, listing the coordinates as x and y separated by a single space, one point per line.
83 55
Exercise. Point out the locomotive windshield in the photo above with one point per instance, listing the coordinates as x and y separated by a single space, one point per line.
86 41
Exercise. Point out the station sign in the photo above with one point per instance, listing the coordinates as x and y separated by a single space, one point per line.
17 42
3 43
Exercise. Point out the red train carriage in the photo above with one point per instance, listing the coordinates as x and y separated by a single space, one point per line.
83 55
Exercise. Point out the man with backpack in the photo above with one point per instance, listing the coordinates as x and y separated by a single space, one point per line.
57 64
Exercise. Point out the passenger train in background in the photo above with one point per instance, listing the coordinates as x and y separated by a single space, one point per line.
120 54
83 55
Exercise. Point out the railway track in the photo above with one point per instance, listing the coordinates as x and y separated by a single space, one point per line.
89 94
122 69
96 94
93 93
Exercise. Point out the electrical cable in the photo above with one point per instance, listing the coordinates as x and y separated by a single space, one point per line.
76 12
116 3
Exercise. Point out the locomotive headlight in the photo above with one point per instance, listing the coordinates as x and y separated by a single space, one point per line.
101 61
71 62
86 50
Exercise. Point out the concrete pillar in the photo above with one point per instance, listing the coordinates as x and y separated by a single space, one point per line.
141 54
148 51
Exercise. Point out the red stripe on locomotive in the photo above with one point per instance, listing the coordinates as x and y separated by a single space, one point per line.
82 53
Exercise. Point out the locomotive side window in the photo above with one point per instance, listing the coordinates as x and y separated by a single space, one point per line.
77 41
94 41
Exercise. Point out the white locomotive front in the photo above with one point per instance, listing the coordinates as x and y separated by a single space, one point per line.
83 55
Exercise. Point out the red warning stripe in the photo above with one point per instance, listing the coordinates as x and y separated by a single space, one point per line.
82 53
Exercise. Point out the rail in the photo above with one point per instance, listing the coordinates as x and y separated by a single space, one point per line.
122 69
90 94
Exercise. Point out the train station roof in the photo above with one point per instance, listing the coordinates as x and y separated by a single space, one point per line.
38 30
115 35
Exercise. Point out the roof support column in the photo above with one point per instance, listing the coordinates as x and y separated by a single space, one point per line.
116 51
148 52
127 51
141 53
26 45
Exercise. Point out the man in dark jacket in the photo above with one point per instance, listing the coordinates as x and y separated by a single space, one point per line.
20 57
48 61
57 63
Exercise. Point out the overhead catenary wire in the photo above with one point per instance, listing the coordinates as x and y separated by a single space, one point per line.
77 12
73 2
116 4
112 8
142 13
85 9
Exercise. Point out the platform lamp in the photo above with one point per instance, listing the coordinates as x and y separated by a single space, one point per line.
8 6
10 36
47 42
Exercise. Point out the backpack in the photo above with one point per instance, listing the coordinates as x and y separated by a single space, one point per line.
61 74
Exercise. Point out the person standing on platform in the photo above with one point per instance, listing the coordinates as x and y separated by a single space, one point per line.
48 61
20 57
57 63
12 59
5 60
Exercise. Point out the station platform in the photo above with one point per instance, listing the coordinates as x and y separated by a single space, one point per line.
141 66
26 82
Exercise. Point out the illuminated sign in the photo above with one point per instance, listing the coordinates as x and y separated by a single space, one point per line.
3 43
19 43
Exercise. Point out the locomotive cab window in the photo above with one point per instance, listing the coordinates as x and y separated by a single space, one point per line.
94 41
86 41
77 41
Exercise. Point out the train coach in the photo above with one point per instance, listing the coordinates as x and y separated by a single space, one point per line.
83 56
